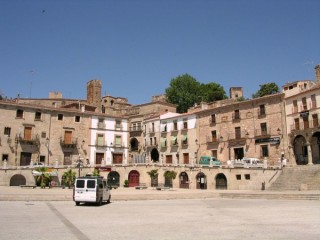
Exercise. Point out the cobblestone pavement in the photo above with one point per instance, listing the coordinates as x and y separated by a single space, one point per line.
210 218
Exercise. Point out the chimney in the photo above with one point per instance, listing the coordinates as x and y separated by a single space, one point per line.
317 71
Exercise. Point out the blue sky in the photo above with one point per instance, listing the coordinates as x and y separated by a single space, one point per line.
137 46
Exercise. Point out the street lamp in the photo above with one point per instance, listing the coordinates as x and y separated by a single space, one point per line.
79 164
48 149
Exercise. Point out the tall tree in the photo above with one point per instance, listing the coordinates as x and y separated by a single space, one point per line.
185 91
266 89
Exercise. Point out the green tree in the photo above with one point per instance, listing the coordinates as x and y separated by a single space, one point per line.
169 176
96 172
266 89
185 91
43 179
68 178
212 91
154 177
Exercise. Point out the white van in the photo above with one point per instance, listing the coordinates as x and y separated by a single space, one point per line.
91 189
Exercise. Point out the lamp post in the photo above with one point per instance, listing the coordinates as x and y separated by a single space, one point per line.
79 164
48 149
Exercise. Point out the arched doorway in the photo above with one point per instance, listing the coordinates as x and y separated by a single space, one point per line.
17 180
155 155
201 181
113 179
315 148
134 178
134 144
300 150
221 181
184 180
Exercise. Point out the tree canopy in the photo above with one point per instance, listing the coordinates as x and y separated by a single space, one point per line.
185 91
266 89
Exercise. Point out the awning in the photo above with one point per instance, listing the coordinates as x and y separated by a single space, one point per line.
174 140
184 137
163 142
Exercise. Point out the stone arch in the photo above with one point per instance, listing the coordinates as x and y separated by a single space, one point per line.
155 155
315 147
300 150
201 181
184 180
17 180
113 179
134 144
221 181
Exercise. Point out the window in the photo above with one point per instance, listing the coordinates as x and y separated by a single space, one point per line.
295 106
313 101
155 141
37 116
5 157
262 110
169 159
315 121
213 119
296 124
42 158
118 141
236 114
264 151
186 158
305 123
60 117
100 139
238 176
304 104
118 124
185 125
101 123
164 128
237 131
247 176
175 126
43 134
77 118
19 113
27 133
214 136
7 131
150 141
263 128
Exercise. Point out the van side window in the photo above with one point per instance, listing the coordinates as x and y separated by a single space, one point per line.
80 184
91 184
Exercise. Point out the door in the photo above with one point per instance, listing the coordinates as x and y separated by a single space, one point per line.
186 158
201 181
113 179
184 180
68 137
67 159
25 158
27 133
238 153
221 181
134 178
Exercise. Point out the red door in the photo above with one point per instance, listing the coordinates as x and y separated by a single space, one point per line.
134 178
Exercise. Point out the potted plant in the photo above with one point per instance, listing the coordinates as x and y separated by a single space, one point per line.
126 183
68 178
169 176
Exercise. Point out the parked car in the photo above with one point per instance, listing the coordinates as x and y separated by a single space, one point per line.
207 160
252 162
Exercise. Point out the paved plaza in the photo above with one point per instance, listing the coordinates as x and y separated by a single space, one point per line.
210 218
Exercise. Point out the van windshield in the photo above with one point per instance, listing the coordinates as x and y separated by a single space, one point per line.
80 184
91 184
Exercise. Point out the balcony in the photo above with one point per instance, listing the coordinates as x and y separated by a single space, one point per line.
29 140
212 139
68 143
238 138
100 144
262 132
302 126
236 117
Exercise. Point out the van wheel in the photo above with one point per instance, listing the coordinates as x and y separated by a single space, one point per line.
77 203
109 199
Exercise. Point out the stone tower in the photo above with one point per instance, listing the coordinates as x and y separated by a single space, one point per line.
317 71
236 92
94 93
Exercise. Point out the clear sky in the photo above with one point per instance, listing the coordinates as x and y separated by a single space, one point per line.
137 46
